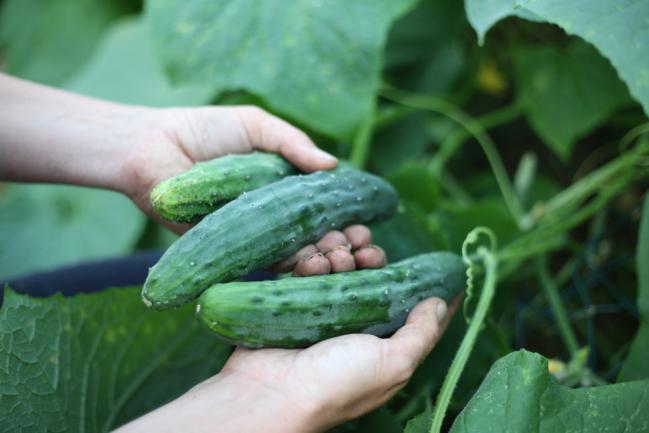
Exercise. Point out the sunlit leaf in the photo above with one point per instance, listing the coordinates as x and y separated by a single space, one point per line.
125 69
317 62
48 40
617 28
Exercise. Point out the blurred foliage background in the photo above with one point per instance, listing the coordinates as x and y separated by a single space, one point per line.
391 85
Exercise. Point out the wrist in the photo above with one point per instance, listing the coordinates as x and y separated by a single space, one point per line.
226 403
49 135
259 407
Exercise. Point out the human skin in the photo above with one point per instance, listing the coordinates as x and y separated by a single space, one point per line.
48 135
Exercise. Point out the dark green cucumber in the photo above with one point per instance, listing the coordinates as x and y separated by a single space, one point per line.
209 185
264 226
297 312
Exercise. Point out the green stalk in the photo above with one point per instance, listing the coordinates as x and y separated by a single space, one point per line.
429 103
573 195
361 144
556 305
468 342
488 121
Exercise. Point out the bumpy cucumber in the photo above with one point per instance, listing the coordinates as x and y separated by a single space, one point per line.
264 226
296 312
209 185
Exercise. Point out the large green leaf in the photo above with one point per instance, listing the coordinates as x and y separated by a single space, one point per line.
519 395
566 92
636 365
618 28
48 40
426 47
44 226
483 14
314 61
143 82
90 362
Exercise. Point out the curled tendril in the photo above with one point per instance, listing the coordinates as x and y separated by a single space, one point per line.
473 259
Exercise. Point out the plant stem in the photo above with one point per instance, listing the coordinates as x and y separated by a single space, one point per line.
361 145
473 127
462 354
487 121
556 305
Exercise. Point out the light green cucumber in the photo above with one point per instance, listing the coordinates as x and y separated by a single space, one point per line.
191 195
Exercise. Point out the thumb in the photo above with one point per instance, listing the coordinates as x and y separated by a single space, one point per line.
272 134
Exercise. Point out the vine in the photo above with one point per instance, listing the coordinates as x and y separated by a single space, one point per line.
484 257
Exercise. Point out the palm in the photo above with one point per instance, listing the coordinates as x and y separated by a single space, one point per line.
358 372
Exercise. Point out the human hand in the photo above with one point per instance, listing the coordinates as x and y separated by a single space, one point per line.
305 390
165 142
344 377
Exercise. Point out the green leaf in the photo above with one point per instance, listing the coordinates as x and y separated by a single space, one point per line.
416 184
396 144
420 423
483 14
316 62
143 82
453 221
636 365
81 364
566 93
426 47
403 236
48 40
519 395
44 226
617 28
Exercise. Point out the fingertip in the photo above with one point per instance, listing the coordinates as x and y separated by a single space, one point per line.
431 307
341 259
359 235
331 240
370 257
315 264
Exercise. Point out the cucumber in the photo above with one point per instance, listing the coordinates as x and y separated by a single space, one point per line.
209 185
264 226
297 312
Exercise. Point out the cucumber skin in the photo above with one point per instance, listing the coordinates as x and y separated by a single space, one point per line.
264 226
297 312
207 186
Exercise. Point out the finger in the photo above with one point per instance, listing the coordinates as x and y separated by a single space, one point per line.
272 134
358 235
316 264
414 340
288 264
341 259
371 256
331 240
452 308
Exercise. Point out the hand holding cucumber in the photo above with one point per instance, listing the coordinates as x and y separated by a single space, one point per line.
306 390
48 135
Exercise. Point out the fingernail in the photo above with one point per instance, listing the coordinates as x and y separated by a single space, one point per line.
325 155
441 311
